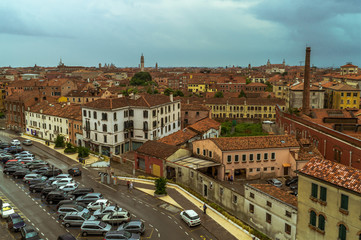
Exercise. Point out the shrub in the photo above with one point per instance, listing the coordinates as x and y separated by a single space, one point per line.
59 141
160 186
70 148
83 152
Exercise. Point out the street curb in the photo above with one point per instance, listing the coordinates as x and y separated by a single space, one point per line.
191 195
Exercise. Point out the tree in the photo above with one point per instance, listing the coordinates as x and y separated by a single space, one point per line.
140 78
269 87
178 93
160 186
248 81
168 91
83 152
218 95
242 94
59 141
69 148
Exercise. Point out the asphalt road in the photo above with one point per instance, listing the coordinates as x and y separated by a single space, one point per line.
161 220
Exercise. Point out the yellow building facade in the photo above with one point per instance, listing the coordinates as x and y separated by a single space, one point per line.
344 96
329 206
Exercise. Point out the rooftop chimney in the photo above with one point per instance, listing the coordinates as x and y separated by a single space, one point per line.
306 91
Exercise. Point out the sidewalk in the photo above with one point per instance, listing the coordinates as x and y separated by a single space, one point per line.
215 222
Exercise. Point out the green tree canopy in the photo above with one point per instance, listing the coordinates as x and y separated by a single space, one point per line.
168 91
218 95
242 94
140 79
178 93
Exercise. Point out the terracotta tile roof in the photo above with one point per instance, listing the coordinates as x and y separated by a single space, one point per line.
276 193
334 173
157 149
194 107
300 86
343 87
255 142
57 109
146 100
179 138
256 84
204 125
349 66
246 101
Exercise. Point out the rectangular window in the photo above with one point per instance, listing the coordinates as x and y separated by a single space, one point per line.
258 157
96 136
244 158
268 218
105 138
198 151
251 208
236 158
84 113
265 156
95 115
258 169
355 94
105 116
251 170
323 194
204 152
269 204
273 156
265 169
288 214
344 202
210 154
287 228
251 195
314 190
115 116
229 158
115 138
251 157
235 198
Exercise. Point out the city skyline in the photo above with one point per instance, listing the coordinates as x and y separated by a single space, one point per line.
179 33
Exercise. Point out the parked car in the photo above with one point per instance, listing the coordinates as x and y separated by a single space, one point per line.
4 145
109 209
53 172
30 176
36 180
66 236
6 210
15 222
27 142
275 182
98 204
135 226
21 173
70 202
38 187
29 233
75 171
81 191
6 158
56 196
117 217
124 235
267 122
26 159
14 149
94 228
291 181
69 187
40 170
294 186
90 197
63 181
44 193
24 154
11 170
15 142
190 217
77 218
67 208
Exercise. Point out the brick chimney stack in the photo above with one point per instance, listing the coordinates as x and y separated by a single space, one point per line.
306 90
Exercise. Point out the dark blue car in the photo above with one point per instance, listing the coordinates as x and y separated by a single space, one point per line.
15 222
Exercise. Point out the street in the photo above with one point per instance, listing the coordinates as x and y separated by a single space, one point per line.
161 221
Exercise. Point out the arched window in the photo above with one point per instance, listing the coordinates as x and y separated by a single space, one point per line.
105 128
321 222
342 232
115 127
313 218
95 127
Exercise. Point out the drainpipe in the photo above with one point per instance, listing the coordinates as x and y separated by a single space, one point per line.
350 158
324 147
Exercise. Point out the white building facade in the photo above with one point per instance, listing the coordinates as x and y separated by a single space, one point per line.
117 125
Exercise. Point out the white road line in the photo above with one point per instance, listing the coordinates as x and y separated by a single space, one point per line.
33 224
48 214
162 213
57 221
142 220
156 230
186 233
159 235
44 210
53 218
67 230
180 227
147 205
155 209
150 225
134 215
37 228
175 222
42 234
169 217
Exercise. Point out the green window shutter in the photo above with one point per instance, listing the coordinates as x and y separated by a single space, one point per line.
314 190
323 194
313 218
321 222
342 232
344 202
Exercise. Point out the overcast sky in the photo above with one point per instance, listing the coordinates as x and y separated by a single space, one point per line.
179 32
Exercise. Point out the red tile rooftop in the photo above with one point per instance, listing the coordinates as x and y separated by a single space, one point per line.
276 193
334 173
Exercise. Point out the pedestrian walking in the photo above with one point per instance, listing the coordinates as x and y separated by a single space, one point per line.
204 208
131 186
128 184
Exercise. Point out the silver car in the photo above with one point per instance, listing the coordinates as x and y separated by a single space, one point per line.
64 209
77 218
94 228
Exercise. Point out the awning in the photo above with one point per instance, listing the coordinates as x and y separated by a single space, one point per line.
197 163
286 165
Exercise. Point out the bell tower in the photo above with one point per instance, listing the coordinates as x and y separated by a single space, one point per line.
142 63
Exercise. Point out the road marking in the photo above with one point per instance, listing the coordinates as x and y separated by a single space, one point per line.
186 233
169 217
150 225
48 213
147 205
53 218
159 235
162 213
134 215
156 230
67 230
175 222
155 209
180 227
37 229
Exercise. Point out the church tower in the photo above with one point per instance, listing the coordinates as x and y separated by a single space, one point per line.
142 63
268 64
156 66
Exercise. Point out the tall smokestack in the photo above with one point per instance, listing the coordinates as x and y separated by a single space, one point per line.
306 91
